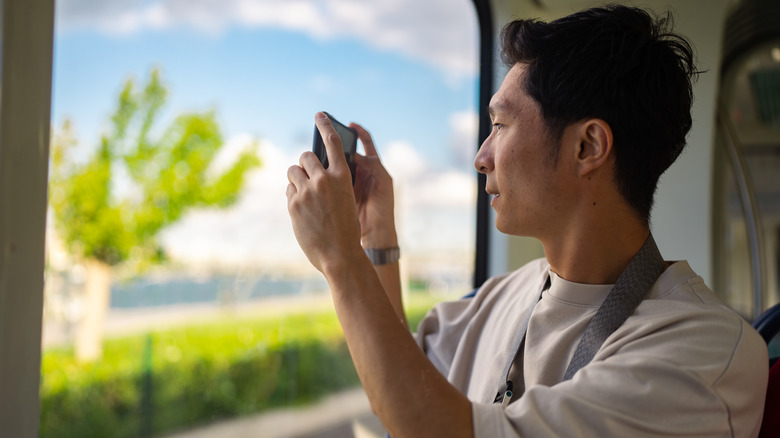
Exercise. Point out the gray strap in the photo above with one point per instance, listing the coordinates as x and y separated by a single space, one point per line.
630 289
520 337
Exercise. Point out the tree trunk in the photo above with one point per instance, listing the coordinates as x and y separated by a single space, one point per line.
97 291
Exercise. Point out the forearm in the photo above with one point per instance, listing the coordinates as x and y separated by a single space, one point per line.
406 391
390 277
389 274
331 219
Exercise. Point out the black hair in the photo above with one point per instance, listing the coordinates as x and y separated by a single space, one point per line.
619 64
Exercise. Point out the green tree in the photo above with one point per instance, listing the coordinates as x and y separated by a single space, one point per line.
160 179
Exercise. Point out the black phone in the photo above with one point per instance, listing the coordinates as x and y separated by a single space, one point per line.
348 142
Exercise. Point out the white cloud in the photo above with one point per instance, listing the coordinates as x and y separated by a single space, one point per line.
256 231
442 33
230 152
464 126
403 162
450 189
434 210
419 185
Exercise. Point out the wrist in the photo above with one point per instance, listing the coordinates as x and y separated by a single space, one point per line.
346 274
337 265
375 240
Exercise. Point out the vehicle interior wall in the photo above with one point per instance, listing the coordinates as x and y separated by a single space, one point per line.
681 218
747 244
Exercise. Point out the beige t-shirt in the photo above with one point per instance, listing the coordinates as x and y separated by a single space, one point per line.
683 364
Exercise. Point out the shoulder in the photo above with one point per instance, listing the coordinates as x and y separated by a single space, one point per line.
680 291
680 282
685 323
684 326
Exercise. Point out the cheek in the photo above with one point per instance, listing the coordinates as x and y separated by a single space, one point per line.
513 171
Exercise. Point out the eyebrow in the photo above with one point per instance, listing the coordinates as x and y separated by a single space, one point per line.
496 107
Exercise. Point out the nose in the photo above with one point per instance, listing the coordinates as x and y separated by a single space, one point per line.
483 162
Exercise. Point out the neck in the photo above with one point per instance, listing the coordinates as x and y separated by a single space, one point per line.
597 247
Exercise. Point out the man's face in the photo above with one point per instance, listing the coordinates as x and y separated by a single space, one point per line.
529 189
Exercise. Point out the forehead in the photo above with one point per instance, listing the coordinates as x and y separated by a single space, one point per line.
511 98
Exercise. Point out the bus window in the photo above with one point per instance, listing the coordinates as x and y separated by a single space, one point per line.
176 295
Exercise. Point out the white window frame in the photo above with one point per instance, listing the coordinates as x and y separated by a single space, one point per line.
27 32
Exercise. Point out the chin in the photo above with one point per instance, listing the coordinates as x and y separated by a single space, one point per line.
513 229
506 228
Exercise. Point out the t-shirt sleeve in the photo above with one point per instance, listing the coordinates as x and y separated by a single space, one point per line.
637 393
440 331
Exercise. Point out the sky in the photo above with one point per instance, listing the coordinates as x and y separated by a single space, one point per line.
404 69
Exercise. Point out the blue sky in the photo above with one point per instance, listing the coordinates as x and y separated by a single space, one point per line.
404 69
263 79
265 82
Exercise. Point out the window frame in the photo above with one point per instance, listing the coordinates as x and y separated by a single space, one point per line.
25 105
486 38
25 112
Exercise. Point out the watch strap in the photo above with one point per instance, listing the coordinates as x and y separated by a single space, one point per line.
383 256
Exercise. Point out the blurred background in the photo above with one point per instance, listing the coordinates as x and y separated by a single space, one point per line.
176 295
177 302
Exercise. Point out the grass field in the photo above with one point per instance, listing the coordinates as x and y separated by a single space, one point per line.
158 381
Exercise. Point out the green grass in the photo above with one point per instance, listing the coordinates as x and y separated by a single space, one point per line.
159 381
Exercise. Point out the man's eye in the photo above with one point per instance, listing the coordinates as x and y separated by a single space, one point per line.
497 126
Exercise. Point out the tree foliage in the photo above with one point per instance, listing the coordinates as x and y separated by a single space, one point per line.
112 207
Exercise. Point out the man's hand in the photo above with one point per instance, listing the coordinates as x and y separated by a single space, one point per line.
322 205
374 196
406 391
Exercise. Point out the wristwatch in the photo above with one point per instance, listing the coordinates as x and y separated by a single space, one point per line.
383 256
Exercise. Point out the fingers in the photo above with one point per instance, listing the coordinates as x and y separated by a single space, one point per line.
365 138
291 190
309 162
297 177
333 147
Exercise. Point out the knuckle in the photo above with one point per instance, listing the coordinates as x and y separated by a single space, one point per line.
344 172
334 138
319 181
297 205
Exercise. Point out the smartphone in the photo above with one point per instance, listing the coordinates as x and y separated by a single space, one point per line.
348 142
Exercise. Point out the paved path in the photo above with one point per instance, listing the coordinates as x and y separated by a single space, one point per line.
331 418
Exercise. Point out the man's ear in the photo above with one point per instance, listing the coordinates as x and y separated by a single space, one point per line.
595 145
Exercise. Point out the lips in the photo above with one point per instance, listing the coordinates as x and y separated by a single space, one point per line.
492 192
494 197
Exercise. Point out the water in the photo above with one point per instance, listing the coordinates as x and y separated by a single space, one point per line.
147 292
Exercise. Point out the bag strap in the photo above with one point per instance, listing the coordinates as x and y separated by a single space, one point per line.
630 289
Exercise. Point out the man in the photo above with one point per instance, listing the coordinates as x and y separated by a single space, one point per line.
593 110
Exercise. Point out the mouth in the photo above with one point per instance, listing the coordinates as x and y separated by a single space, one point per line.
494 195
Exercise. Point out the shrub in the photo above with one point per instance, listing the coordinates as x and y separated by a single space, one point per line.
165 380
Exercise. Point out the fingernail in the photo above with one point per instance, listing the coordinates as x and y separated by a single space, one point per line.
321 116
